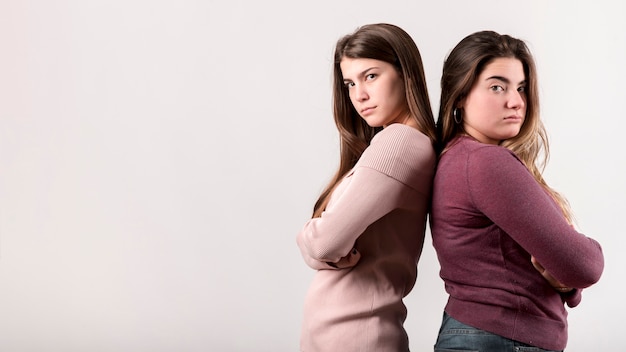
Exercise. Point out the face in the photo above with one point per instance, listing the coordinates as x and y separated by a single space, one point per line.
495 108
376 91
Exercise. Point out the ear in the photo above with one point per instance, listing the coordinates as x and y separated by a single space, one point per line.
461 103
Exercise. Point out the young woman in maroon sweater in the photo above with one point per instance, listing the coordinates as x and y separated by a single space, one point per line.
510 257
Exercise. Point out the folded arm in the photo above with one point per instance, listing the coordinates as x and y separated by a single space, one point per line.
507 193
331 238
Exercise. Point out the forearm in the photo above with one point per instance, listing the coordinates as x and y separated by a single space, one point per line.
514 201
348 261
368 197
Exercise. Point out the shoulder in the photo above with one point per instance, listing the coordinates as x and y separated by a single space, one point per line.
399 131
480 154
401 141
494 157
479 162
485 163
399 151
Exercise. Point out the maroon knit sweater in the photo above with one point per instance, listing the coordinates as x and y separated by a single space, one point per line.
489 216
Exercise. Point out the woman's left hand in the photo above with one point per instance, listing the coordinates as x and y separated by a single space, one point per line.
348 261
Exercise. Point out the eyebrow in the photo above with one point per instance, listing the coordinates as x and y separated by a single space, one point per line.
363 73
504 79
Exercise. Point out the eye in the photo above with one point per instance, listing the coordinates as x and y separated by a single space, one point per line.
370 76
496 88
522 89
348 84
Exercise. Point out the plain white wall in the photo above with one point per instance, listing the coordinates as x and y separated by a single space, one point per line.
157 159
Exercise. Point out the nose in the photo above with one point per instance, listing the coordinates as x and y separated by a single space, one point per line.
516 100
360 92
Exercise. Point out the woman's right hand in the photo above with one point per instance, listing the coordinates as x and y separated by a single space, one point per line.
553 282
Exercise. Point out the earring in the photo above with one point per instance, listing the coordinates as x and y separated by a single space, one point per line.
456 113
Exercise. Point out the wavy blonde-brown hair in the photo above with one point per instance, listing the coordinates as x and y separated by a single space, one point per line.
384 42
462 68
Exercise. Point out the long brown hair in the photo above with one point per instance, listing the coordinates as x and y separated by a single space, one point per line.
385 42
461 69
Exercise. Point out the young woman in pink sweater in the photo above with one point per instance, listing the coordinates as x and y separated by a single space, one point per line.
509 256
367 229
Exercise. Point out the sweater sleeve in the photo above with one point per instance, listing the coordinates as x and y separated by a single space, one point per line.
505 191
377 186
368 197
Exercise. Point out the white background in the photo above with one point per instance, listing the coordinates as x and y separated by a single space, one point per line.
157 159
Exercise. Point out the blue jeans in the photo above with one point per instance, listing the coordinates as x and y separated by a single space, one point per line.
456 336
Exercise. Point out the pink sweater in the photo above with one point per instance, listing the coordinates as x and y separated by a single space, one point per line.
380 210
489 216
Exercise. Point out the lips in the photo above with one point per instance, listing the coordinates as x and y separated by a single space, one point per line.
367 110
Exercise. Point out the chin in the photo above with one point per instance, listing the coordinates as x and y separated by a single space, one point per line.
374 124
512 134
509 137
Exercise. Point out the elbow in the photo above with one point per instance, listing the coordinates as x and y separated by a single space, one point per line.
590 265
312 248
596 268
593 276
319 253
590 274
586 279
